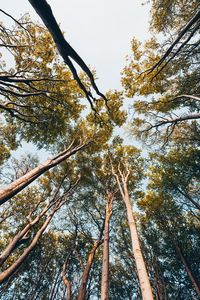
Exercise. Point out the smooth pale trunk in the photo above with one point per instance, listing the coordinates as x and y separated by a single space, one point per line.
105 263
139 260
22 182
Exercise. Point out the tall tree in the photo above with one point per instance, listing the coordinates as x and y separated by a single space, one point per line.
124 170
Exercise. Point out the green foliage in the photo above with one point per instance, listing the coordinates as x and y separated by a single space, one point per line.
164 94
48 111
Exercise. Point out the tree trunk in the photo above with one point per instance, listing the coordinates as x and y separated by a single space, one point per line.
145 286
105 263
194 281
43 9
22 182
67 283
21 237
139 260
84 280
7 273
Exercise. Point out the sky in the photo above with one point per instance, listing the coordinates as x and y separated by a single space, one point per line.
99 30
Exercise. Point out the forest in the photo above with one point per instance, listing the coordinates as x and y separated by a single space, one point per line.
99 218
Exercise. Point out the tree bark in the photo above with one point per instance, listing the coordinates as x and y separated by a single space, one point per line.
43 9
139 260
22 236
194 281
5 275
105 263
67 283
145 286
84 280
22 182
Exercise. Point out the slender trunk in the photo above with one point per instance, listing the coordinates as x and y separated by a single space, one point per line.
22 182
158 286
7 273
194 281
105 263
139 260
55 292
145 286
4 218
21 236
67 283
84 280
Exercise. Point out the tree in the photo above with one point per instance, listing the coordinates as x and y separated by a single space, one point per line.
53 205
105 258
124 170
38 94
171 107
98 220
22 182
168 172
166 227
66 51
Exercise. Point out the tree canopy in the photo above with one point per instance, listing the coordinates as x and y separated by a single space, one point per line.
99 218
